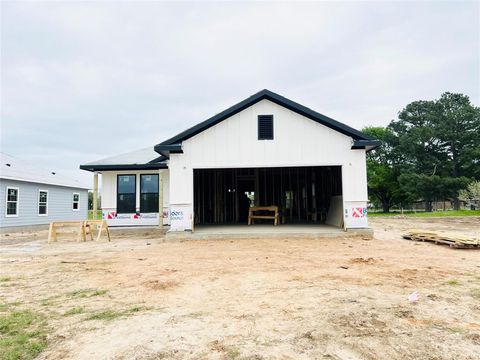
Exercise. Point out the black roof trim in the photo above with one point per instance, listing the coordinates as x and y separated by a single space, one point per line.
148 166
167 149
366 144
159 159
278 99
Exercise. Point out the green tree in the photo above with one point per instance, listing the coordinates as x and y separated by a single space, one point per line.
431 187
458 129
438 138
418 148
382 170
471 193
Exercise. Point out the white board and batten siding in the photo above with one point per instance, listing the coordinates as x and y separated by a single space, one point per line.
59 203
109 200
298 141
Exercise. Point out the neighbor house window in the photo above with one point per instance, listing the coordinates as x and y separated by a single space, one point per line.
265 127
126 194
76 201
12 202
42 202
149 193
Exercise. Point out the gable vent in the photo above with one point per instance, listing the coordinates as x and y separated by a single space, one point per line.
265 127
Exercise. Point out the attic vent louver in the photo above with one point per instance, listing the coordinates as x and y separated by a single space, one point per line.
8 165
53 173
265 127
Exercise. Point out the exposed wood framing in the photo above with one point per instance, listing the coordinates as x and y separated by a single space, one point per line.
302 194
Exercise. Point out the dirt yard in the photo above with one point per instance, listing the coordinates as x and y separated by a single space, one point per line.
344 298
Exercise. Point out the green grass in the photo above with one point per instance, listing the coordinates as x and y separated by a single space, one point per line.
105 315
5 279
453 282
23 334
90 215
446 213
113 314
74 311
77 294
86 293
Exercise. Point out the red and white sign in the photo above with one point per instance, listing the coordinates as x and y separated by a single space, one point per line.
358 212
355 214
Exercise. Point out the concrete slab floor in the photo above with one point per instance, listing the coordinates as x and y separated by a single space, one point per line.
266 231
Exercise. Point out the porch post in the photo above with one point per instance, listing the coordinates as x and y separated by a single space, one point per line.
160 199
95 195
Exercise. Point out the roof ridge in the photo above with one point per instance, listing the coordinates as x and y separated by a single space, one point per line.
253 99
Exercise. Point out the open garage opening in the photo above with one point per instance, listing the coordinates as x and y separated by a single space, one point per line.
302 194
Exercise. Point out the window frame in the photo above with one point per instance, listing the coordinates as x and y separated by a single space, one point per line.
73 201
17 202
264 117
158 192
38 203
135 193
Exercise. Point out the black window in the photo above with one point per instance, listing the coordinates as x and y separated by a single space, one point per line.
76 200
149 193
265 127
42 202
126 193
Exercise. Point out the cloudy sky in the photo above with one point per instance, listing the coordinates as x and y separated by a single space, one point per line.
85 80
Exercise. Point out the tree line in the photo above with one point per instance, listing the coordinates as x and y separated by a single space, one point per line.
430 153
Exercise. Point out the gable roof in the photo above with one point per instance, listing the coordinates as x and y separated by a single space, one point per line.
361 140
14 169
142 159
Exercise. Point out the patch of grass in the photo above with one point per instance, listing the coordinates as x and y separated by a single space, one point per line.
475 293
86 293
105 315
48 302
453 282
77 294
136 309
22 335
7 306
5 278
74 311
114 314
233 353
446 213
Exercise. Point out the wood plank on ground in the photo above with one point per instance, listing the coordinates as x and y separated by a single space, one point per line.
446 238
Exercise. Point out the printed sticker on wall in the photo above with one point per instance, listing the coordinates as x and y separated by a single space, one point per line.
358 212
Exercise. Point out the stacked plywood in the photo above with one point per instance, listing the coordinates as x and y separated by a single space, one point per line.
439 237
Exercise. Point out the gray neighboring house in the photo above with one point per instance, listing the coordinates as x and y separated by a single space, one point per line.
35 196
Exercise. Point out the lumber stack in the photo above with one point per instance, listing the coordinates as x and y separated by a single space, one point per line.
440 237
